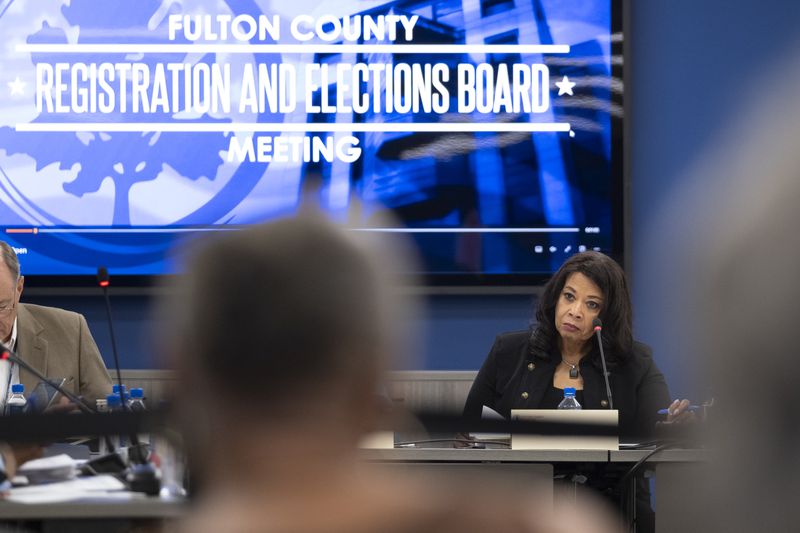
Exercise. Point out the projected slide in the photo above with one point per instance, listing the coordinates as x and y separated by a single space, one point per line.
489 128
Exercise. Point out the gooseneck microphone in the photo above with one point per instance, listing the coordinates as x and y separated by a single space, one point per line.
103 281
137 452
7 355
597 324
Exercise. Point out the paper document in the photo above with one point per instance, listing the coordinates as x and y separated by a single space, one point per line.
487 413
94 487
47 463
55 468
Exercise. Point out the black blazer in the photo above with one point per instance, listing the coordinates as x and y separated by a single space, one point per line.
513 378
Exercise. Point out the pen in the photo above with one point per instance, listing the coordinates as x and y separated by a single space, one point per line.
691 408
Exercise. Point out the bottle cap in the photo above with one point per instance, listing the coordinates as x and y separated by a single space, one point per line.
137 393
113 400
569 391
17 388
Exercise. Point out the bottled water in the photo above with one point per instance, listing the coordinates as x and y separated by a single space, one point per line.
136 402
17 402
122 397
112 402
114 406
102 407
569 401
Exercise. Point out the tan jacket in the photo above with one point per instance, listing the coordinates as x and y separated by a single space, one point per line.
58 344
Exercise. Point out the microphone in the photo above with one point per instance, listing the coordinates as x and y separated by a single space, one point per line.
597 324
137 451
103 281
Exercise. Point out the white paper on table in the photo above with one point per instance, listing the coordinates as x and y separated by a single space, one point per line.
95 487
487 413
47 463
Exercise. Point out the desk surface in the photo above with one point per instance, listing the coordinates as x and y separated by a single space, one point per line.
138 507
143 507
530 456
676 455
470 455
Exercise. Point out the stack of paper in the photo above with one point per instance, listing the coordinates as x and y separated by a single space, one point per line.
96 487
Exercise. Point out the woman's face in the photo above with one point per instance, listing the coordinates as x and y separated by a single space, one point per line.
578 304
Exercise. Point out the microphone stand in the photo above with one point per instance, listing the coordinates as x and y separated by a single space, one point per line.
102 276
137 451
598 326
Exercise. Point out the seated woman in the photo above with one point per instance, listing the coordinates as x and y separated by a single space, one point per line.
530 369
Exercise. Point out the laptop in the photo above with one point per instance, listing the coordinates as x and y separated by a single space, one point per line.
602 417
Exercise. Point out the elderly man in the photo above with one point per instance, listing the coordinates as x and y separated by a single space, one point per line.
54 341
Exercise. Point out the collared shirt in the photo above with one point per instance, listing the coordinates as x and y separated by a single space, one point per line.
5 484
9 374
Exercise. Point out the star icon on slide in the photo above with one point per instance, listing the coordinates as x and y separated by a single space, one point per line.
565 86
17 87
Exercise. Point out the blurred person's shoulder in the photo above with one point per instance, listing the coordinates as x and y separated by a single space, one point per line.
496 502
405 501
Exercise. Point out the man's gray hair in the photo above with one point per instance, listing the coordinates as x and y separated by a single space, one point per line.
10 259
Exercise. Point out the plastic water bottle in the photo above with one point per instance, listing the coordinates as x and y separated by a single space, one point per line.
122 397
112 401
17 402
114 406
569 401
136 401
102 407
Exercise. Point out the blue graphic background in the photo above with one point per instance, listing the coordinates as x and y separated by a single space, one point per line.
139 185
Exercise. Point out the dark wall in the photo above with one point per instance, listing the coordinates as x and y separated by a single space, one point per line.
695 67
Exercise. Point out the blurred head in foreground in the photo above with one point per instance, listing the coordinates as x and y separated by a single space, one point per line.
736 268
279 334
285 323
750 291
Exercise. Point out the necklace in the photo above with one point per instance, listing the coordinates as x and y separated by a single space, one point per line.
574 373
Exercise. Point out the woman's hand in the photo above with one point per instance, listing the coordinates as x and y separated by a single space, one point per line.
678 411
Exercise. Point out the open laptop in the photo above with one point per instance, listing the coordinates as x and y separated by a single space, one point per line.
603 417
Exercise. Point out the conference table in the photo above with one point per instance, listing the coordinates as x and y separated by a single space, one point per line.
135 511
673 470
672 467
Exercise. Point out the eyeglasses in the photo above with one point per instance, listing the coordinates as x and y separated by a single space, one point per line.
7 309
